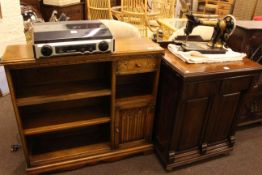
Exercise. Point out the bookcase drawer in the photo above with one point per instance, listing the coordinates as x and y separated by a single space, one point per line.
137 65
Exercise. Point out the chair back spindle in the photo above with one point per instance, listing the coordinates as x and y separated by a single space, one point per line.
99 9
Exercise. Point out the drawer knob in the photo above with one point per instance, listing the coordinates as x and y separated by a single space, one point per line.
138 65
117 130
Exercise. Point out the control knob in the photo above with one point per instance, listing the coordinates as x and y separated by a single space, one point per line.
103 46
46 50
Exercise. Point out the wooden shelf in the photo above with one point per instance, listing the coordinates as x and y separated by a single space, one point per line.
134 85
51 121
65 145
67 154
61 92
125 91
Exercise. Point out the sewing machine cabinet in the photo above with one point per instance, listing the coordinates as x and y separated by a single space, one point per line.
197 108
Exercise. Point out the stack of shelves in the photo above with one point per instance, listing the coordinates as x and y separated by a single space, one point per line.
77 110
62 118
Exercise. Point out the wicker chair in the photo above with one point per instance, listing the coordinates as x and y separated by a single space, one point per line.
211 5
165 7
133 12
99 9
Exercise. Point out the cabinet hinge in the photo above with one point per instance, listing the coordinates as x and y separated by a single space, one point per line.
203 148
171 156
232 140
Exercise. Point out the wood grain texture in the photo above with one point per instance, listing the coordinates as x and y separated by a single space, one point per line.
132 124
79 110
51 121
249 32
198 107
61 92
124 48
17 115
137 66
216 69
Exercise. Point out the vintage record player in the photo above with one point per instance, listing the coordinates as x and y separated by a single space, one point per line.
71 37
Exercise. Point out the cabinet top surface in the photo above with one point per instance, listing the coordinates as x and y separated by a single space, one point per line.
250 25
190 70
23 54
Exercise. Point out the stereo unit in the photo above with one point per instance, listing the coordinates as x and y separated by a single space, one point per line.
71 37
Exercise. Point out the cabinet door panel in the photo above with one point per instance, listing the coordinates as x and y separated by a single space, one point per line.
194 117
222 117
133 124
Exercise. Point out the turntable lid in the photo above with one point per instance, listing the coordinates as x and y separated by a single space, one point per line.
70 31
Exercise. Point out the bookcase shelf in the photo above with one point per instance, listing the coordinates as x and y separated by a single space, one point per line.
61 92
68 144
61 120
44 118
134 85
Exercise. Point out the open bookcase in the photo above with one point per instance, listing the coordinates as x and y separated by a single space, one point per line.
72 111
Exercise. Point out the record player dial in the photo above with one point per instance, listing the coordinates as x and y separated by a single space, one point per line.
103 46
46 50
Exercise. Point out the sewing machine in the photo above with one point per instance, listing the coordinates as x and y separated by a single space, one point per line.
223 28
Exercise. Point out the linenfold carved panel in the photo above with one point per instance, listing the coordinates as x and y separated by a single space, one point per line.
132 124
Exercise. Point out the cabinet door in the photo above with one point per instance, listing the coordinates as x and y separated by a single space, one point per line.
192 115
222 119
133 124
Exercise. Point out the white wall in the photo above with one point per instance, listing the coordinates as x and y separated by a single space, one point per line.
11 32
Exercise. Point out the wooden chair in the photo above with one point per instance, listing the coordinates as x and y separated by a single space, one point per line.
211 5
99 9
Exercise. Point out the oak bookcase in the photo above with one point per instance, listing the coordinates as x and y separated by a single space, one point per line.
76 110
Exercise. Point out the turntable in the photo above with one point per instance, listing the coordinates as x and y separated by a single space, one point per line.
71 37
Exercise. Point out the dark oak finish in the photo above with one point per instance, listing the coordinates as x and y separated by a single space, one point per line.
251 111
197 108
250 35
77 110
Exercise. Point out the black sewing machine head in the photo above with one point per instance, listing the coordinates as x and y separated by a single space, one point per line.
223 28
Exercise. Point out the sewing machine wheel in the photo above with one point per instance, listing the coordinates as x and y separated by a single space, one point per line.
231 26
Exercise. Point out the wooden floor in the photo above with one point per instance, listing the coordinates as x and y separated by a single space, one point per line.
246 159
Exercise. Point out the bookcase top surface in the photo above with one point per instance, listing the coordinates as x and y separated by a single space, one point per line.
23 54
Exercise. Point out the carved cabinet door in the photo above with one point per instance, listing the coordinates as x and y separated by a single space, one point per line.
133 123
223 118
194 109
